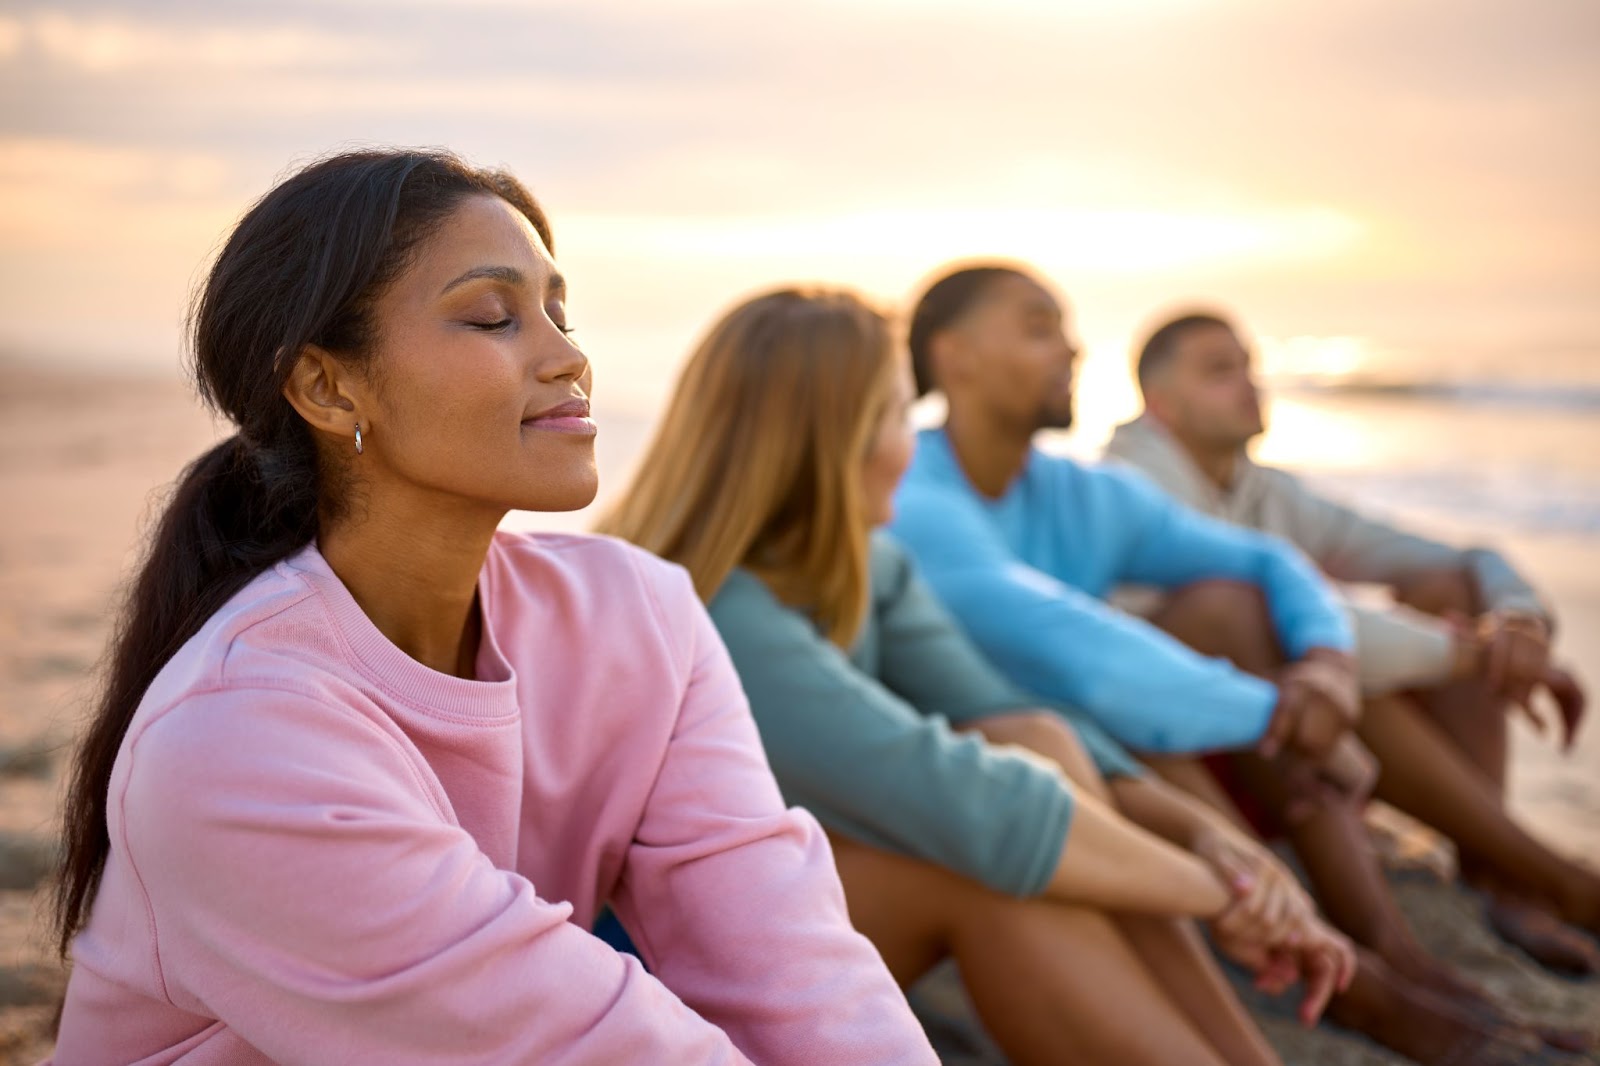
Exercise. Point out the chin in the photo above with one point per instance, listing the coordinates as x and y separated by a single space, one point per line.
565 494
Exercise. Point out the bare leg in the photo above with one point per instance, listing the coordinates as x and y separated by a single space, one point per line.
1424 1028
1178 956
1052 983
1380 1003
1348 881
1471 715
1186 772
1424 775
1230 620
1474 719
1172 950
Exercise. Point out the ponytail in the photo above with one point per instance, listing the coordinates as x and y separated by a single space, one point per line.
303 267
228 520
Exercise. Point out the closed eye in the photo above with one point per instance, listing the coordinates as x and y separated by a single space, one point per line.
492 327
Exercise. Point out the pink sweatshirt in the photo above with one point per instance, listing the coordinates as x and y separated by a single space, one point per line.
322 851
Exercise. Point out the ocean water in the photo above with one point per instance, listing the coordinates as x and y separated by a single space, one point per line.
1512 450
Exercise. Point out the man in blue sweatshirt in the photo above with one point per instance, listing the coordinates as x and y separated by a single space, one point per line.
1024 547
1251 652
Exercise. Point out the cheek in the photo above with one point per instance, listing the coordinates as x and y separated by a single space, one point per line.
451 402
888 462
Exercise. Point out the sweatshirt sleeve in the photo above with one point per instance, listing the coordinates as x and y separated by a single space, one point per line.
872 767
1146 689
734 900
1171 545
1350 546
306 888
928 660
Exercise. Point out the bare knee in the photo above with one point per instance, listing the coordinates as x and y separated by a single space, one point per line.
1444 591
1046 734
1222 617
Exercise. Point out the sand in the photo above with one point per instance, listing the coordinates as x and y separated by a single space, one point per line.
83 463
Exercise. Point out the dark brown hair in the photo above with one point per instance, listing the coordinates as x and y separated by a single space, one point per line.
303 267
946 301
1163 343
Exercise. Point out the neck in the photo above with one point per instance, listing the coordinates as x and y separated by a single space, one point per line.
991 453
414 572
1217 464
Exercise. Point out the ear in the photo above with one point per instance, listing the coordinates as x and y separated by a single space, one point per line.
323 390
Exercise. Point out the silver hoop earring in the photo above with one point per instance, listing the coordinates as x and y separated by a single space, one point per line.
358 438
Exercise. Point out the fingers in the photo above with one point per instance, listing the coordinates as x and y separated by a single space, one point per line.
1278 974
1321 971
1282 725
1570 702
1496 657
1522 699
1232 864
1351 767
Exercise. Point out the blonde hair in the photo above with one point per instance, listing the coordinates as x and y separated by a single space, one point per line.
758 460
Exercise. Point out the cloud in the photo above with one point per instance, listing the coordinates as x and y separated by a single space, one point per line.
106 44
1367 158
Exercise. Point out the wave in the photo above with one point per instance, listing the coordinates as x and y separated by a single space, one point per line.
1567 396
1523 498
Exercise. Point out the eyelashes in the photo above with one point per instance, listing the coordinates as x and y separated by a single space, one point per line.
504 324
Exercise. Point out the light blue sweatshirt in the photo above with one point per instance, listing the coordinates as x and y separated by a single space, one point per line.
1026 576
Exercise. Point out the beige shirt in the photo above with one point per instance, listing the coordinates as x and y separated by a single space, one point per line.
1397 647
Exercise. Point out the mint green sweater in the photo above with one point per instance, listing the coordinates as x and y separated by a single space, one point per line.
865 740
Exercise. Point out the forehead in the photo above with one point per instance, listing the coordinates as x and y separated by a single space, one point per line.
1019 295
1207 342
481 231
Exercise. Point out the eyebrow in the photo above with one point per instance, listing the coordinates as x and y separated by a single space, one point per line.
505 274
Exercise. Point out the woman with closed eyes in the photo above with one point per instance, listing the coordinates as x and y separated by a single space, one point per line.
365 769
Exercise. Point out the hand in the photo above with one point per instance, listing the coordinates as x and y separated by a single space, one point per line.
1570 702
1314 953
1268 901
1504 648
1319 699
1516 653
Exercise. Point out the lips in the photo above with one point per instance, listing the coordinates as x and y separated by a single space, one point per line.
569 417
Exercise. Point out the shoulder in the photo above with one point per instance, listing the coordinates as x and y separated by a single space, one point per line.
1278 479
594 584
1121 485
749 616
606 567
744 596
889 564
278 617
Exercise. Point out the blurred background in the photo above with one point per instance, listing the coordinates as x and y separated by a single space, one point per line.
1400 201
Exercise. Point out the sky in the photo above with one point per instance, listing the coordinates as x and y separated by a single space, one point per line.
1365 183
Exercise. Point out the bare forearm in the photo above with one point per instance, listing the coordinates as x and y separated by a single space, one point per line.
1167 811
1111 863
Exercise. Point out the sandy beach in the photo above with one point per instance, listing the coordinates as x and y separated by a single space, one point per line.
83 461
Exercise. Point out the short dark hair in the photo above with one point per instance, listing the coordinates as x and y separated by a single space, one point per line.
945 301
1163 343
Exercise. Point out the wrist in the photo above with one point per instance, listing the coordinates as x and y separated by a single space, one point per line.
1467 654
1523 621
1332 656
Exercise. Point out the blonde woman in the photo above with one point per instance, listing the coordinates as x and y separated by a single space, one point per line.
778 454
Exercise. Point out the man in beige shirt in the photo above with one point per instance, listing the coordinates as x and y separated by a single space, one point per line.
1464 636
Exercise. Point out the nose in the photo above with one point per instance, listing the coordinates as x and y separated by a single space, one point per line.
560 359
